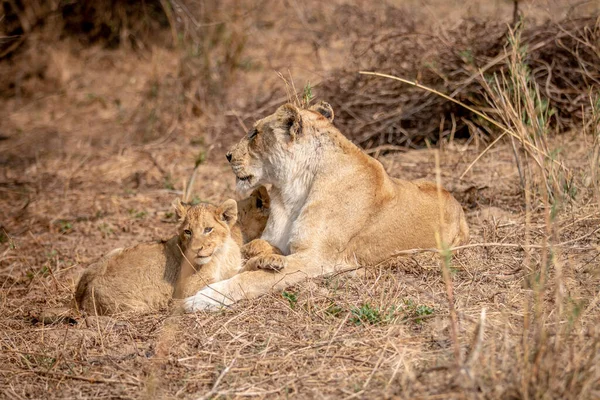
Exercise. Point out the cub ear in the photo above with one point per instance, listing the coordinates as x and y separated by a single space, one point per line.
228 212
263 200
180 209
323 108
291 120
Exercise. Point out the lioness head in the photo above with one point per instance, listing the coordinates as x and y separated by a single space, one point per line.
276 142
204 228
253 213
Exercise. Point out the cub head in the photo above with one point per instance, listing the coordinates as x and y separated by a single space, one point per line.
253 213
204 228
281 140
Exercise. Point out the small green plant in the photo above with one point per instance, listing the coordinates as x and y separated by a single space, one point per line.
467 56
106 229
197 141
39 360
137 214
44 271
574 310
169 182
64 226
421 311
200 158
307 95
334 310
196 200
413 311
373 315
153 92
292 298
366 314
569 187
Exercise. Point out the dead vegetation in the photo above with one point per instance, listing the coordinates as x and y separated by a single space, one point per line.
561 57
98 138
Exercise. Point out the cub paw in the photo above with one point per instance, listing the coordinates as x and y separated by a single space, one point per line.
272 262
257 247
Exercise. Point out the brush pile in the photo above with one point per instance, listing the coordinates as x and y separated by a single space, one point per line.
563 59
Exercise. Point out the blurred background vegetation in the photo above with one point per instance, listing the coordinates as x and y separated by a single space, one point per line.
220 60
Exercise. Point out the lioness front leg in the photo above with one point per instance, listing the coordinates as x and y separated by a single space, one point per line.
251 284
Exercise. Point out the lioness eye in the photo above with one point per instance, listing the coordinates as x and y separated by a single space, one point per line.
208 230
188 232
252 133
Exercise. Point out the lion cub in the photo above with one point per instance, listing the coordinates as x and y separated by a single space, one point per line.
206 249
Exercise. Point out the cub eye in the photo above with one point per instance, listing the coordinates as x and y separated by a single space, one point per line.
208 230
252 133
188 232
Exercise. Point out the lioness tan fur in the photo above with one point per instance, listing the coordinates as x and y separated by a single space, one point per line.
332 206
206 249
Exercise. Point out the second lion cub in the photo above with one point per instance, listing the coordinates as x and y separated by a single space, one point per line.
206 249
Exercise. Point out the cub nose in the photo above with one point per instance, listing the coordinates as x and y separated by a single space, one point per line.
228 155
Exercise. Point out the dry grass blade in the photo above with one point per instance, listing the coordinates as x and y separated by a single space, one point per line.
214 391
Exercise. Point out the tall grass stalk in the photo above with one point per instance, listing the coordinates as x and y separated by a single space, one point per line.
519 105
551 324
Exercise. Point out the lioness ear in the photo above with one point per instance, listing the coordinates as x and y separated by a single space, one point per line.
323 108
180 209
290 118
263 201
228 212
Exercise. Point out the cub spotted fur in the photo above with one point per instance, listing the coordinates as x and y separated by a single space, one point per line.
332 206
206 249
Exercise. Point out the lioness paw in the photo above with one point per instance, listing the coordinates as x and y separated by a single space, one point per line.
207 299
273 262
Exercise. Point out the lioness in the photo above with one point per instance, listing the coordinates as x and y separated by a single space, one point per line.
332 206
146 276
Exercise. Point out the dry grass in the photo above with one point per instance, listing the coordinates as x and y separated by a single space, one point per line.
93 152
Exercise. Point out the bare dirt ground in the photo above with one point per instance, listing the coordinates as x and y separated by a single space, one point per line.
94 149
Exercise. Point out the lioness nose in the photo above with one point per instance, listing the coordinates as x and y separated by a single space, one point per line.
228 155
